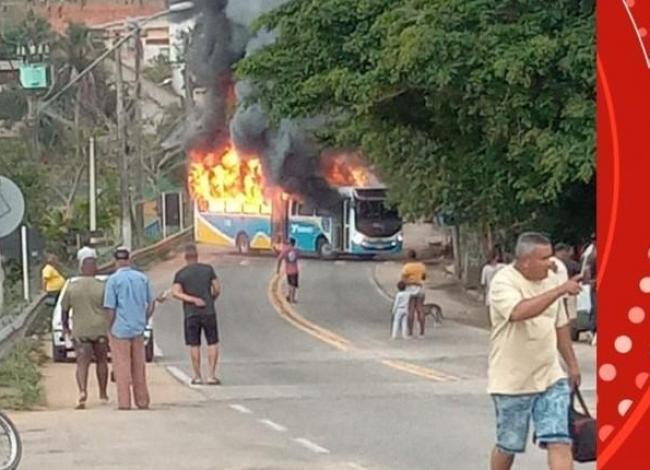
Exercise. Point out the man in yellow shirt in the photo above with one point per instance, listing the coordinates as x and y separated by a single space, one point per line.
413 275
53 280
525 378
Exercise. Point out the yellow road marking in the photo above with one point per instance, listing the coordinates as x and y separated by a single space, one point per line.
420 371
286 311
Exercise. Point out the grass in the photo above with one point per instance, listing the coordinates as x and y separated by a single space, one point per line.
20 376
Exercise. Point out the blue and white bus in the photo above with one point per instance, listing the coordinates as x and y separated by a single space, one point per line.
362 225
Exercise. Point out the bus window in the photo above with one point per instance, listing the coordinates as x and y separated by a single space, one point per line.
218 206
306 210
233 206
251 209
294 207
323 212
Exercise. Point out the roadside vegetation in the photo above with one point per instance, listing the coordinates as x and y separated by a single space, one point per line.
20 376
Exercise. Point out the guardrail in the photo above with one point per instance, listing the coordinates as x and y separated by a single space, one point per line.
14 328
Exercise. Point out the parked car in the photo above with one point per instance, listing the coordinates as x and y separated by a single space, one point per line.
62 345
583 320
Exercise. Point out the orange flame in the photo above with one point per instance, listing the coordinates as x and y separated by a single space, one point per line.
346 169
225 182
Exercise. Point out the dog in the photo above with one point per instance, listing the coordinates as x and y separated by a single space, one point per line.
435 311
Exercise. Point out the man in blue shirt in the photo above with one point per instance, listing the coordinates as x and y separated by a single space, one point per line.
129 302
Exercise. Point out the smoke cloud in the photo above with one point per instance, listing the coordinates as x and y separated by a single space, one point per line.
290 157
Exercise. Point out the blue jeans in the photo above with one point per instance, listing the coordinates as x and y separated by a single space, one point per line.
549 411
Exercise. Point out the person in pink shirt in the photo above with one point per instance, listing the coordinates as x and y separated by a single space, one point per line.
289 255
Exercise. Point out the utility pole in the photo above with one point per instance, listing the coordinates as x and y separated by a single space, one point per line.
139 164
125 206
92 191
187 76
32 120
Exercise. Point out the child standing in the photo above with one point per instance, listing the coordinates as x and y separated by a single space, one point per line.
401 310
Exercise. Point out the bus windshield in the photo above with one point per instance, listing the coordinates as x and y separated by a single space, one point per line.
374 219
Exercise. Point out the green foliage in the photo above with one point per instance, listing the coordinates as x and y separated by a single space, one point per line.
20 376
33 29
17 165
52 173
482 109
13 105
159 70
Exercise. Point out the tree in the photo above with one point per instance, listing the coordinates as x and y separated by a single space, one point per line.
63 129
479 109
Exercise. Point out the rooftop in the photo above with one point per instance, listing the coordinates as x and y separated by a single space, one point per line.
96 12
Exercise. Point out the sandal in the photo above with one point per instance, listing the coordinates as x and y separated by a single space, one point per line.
196 381
81 404
214 381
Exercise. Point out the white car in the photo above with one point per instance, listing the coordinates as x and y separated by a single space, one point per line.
62 345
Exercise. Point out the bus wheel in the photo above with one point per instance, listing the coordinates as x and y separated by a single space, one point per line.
243 244
324 249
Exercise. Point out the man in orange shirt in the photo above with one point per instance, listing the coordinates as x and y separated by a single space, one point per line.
413 275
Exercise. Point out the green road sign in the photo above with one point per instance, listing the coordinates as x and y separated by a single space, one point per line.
33 76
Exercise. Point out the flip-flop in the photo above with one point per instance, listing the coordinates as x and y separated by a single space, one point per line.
213 382
196 382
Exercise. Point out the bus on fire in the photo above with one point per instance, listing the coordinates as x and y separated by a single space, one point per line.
364 226
233 208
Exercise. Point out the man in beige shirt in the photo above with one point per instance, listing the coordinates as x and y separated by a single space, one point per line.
525 378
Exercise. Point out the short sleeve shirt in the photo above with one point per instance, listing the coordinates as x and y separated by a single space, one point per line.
129 293
523 355
401 302
54 281
196 280
487 274
414 273
84 297
290 257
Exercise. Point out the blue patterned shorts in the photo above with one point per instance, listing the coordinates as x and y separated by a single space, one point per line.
550 413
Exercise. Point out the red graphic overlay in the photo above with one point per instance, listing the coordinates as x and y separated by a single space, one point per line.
623 75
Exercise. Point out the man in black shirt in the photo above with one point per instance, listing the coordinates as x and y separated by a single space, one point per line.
197 286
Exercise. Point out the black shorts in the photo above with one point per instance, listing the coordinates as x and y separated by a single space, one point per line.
292 280
197 323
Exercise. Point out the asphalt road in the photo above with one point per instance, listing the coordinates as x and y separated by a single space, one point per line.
376 404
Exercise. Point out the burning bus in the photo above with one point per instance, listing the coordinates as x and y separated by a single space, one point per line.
235 207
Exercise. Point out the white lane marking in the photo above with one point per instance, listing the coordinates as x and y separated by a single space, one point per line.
273 425
373 281
356 466
340 262
241 409
180 375
307 444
